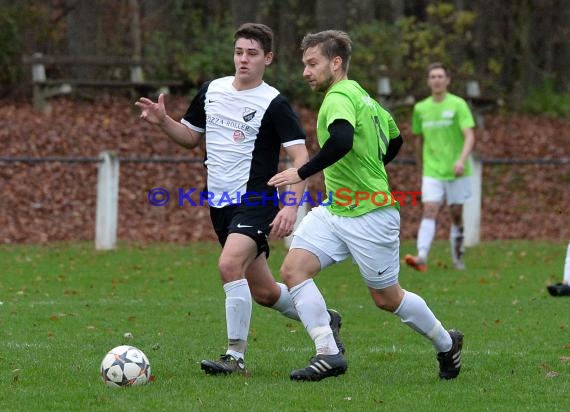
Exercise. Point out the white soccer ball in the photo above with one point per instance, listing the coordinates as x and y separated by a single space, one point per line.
125 366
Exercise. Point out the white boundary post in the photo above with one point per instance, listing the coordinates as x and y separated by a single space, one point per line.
107 201
38 70
472 207
137 74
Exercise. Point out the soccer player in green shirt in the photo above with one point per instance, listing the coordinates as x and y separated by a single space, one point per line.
357 139
444 125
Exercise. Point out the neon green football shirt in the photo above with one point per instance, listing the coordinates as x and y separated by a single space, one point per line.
358 182
441 124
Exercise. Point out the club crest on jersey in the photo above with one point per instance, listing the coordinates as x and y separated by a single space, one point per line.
248 114
238 136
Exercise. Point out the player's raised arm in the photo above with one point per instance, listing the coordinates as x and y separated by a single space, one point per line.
155 113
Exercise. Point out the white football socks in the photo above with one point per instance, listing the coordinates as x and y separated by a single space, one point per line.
285 304
426 234
313 313
238 316
456 243
415 313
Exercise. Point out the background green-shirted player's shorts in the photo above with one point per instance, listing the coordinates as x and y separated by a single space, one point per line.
372 240
456 191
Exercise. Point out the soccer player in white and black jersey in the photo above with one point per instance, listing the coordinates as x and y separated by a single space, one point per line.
245 123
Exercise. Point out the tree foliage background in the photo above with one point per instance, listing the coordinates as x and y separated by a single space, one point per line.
518 50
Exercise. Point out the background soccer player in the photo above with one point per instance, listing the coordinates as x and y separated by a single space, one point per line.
444 125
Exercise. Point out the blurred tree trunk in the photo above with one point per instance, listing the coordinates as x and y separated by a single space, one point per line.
331 14
549 39
525 64
533 43
417 8
82 34
397 12
244 11
364 11
135 30
398 9
506 52
287 48
286 45
219 10
461 52
561 46
135 14
485 22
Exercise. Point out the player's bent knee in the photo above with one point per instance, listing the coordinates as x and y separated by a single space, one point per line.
292 276
287 274
265 296
230 271
387 299
264 299
386 305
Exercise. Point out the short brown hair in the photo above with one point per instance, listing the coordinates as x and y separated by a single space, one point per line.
256 31
437 65
333 43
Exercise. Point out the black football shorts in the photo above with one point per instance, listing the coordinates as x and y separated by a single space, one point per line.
252 221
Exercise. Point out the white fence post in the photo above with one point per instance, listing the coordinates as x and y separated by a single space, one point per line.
472 207
107 201
38 70
137 74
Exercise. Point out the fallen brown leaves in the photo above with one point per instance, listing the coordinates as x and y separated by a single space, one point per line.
45 202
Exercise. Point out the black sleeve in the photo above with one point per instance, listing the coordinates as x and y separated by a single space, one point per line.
195 114
284 121
339 143
393 149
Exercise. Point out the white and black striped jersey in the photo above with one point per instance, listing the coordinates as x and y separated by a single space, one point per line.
244 132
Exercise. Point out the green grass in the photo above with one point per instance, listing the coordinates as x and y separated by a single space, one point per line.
63 306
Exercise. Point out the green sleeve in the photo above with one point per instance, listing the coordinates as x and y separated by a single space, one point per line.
465 117
338 106
392 128
416 121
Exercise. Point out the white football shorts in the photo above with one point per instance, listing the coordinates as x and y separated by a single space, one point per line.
456 191
373 241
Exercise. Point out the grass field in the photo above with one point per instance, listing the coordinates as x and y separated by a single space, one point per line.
63 306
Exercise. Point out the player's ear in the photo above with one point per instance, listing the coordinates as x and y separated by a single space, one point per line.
336 63
268 58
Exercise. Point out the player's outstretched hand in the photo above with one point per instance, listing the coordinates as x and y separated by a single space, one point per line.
284 178
284 222
152 112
